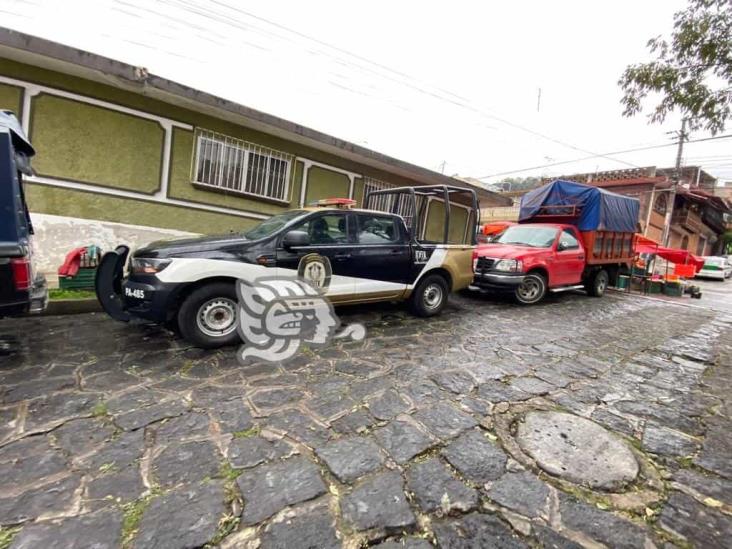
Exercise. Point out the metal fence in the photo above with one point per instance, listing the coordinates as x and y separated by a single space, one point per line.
385 203
234 165
499 213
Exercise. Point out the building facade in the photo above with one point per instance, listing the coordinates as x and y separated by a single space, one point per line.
699 216
127 156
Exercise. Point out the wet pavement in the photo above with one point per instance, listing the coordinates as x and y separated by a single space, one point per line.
577 422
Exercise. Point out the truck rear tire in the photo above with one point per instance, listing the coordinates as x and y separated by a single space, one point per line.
208 317
532 289
597 283
430 296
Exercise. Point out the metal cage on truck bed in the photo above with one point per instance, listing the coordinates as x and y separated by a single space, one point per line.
412 203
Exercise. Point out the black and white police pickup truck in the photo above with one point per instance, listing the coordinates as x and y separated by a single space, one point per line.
350 255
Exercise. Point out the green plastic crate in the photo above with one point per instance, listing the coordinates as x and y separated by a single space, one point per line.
84 280
623 282
655 287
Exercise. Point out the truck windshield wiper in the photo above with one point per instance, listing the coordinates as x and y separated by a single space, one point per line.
521 244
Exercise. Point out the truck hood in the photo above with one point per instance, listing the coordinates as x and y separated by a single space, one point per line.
185 246
509 251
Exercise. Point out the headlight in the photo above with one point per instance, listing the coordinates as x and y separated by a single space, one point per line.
148 265
509 265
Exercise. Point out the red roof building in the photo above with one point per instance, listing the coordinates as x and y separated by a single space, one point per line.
698 218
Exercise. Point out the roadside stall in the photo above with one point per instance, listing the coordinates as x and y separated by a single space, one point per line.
670 276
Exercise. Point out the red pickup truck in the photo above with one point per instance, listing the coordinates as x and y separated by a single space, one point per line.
569 236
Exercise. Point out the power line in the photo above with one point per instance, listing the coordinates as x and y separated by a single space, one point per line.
595 156
455 99
464 104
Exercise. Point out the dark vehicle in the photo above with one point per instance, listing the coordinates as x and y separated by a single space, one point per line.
22 290
351 255
569 236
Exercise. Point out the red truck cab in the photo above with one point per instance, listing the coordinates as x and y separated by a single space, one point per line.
531 259
569 236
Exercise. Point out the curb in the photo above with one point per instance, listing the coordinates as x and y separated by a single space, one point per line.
661 300
72 306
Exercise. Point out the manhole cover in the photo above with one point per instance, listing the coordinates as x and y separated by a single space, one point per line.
577 449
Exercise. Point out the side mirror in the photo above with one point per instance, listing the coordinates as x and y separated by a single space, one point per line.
562 246
296 238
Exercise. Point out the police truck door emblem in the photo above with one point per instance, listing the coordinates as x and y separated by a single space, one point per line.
420 256
278 315
316 270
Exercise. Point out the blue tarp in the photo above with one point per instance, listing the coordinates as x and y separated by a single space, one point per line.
601 210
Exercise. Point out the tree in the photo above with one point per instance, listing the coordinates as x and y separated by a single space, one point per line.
692 73
727 243
516 184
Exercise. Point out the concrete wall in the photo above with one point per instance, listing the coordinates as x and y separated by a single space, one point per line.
81 142
11 98
56 235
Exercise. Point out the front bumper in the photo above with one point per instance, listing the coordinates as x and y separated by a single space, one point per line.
716 275
150 299
498 281
121 298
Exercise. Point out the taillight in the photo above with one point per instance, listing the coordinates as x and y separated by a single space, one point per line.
21 268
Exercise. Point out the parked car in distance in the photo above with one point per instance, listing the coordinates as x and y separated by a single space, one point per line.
351 255
22 289
569 236
717 267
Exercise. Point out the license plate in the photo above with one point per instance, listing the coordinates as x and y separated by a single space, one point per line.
137 293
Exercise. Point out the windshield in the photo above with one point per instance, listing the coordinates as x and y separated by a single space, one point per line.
534 237
273 224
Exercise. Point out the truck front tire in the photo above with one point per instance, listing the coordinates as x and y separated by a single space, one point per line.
208 317
597 283
532 289
430 296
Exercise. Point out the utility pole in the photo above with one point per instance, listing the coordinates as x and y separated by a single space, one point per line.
672 195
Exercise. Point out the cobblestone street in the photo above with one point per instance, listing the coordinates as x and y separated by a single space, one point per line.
464 430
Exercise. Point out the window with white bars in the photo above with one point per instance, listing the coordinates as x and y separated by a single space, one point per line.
238 166
385 203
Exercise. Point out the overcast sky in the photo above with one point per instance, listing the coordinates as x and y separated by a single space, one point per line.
451 86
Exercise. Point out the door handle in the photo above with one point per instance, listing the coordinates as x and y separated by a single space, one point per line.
342 256
394 252
580 256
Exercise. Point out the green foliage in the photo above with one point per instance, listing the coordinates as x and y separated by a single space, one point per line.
727 242
132 515
71 294
516 184
247 433
100 409
228 472
107 467
226 526
7 535
692 73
